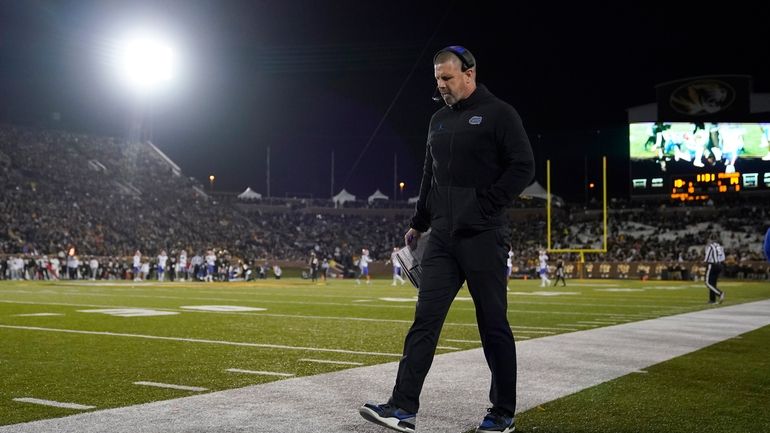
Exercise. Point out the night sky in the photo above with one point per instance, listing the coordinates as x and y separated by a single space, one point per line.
309 78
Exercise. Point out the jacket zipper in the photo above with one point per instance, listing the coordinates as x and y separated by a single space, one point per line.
449 174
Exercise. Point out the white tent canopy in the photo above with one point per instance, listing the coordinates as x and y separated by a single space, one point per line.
249 194
378 195
413 200
342 197
537 191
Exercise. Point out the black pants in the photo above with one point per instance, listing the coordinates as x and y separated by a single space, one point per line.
712 273
560 277
446 263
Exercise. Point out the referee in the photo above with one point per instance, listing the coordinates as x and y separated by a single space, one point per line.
715 256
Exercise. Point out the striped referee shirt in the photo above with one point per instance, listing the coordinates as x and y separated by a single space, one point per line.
714 253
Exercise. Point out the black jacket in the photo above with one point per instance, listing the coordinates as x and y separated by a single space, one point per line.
477 160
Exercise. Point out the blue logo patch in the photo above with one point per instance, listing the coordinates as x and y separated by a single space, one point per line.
475 120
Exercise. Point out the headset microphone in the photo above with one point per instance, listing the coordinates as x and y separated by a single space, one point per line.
466 59
437 96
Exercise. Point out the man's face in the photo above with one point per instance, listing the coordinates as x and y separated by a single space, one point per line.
453 84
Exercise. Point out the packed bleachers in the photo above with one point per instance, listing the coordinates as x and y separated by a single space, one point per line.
107 198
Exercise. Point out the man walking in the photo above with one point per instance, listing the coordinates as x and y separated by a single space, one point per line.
715 256
478 159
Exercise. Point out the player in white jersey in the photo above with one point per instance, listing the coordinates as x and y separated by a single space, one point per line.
731 143
145 270
363 266
182 265
544 281
94 265
162 259
211 260
137 266
764 139
196 264
396 267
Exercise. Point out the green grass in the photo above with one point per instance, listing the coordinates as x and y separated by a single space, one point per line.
723 388
343 321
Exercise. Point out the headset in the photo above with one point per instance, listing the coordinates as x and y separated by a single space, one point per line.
465 56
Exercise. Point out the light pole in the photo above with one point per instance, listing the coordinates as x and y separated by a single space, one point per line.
401 186
146 64
211 181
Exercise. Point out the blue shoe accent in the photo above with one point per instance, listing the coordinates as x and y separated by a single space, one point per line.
497 421
389 416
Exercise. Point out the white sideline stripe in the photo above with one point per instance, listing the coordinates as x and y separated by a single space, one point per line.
452 340
447 348
198 340
38 314
596 322
326 361
53 403
578 325
263 373
172 386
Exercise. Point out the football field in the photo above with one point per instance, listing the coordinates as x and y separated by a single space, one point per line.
72 347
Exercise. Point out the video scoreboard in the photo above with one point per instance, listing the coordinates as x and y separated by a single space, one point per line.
698 161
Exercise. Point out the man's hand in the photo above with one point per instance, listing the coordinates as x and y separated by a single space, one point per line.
411 237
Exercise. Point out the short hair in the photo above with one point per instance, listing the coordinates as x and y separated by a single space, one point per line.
456 53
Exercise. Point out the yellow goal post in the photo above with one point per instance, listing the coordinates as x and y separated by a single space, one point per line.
581 251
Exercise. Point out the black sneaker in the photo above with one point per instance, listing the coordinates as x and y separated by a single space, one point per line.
497 421
389 416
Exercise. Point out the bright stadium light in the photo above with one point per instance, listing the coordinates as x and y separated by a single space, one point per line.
146 62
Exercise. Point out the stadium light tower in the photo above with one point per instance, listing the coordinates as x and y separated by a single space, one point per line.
146 63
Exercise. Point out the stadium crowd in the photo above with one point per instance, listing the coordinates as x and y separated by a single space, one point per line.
67 194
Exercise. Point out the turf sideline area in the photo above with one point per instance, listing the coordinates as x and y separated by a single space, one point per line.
454 396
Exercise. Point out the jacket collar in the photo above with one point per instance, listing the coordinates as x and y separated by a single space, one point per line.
478 95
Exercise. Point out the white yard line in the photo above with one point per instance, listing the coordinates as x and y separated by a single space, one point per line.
200 340
452 340
259 372
327 361
38 315
343 304
523 331
53 403
592 322
300 316
172 386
